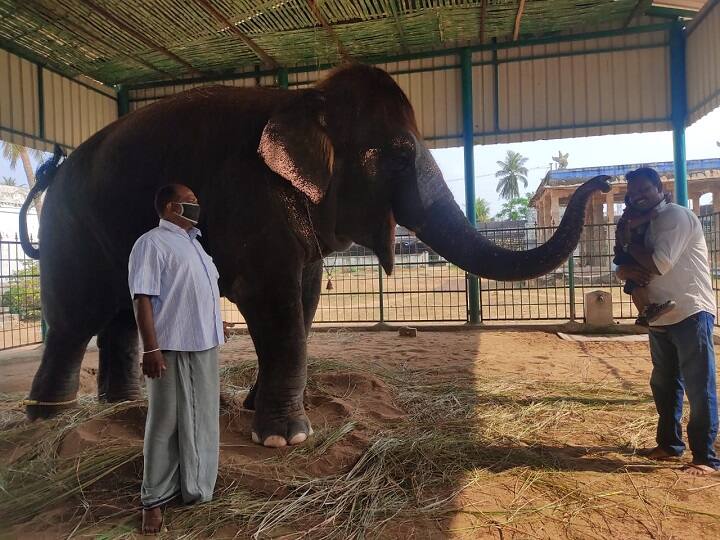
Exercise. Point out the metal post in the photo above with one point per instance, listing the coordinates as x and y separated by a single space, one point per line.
382 299
123 100
282 78
678 112
571 285
468 124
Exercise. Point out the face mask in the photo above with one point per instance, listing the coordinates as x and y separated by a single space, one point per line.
189 211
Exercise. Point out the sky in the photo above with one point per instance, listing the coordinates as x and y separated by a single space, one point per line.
701 140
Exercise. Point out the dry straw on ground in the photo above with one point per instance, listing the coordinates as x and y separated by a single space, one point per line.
468 457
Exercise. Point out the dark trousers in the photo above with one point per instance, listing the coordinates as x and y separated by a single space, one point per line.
683 360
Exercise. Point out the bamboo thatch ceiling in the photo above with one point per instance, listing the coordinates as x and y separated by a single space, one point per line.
135 41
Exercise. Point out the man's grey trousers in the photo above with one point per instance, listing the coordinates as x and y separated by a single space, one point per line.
182 432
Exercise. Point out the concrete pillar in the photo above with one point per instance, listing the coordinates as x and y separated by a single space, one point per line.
695 203
610 202
540 212
716 201
554 209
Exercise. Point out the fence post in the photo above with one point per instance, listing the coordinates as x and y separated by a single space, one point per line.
571 285
382 300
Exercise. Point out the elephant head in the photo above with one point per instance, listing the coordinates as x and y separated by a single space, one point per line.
352 144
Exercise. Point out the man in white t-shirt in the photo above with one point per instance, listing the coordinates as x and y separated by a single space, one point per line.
673 263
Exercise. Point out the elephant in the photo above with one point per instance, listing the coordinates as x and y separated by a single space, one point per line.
284 178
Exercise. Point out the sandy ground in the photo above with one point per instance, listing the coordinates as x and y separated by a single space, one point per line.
567 417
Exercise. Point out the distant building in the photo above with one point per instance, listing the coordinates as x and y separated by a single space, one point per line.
11 199
553 193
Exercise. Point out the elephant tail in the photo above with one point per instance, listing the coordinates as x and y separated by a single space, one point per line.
43 178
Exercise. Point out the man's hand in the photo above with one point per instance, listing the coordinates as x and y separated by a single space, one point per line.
153 365
633 273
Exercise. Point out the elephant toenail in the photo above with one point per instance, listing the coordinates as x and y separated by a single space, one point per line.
275 441
255 438
298 438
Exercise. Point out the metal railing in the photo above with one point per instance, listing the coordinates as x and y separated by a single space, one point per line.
423 287
20 314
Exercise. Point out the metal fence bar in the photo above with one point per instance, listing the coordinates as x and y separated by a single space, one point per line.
423 287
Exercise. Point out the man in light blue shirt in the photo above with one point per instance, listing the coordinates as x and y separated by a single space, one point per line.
174 285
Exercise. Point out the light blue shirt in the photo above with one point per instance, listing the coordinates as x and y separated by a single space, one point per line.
169 265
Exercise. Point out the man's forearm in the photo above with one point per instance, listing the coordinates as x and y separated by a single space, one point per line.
644 258
145 322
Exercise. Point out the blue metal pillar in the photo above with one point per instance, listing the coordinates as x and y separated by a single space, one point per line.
282 78
678 111
468 127
123 101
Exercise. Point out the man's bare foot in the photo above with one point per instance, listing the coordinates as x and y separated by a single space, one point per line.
152 520
658 454
695 469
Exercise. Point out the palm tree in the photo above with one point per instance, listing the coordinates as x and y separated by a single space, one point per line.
482 210
8 181
14 152
512 172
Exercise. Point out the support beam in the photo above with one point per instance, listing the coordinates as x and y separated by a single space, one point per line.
518 18
80 30
139 36
678 114
328 30
640 6
265 57
391 6
483 18
282 78
467 113
123 101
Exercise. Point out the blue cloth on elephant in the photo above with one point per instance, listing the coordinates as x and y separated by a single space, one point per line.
182 430
169 265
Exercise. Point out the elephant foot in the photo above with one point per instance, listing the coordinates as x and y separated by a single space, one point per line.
281 433
118 396
41 409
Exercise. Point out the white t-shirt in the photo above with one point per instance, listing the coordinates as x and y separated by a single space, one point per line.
680 253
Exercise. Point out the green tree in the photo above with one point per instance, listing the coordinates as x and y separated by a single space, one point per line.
515 209
512 172
21 294
17 152
8 181
482 210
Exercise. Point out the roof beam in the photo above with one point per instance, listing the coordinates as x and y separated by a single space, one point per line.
635 11
518 18
139 36
391 6
265 57
328 29
92 35
483 17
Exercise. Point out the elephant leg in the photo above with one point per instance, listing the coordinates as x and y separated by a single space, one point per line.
311 288
118 377
57 379
274 314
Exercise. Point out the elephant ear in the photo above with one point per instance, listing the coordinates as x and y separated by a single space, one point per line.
294 145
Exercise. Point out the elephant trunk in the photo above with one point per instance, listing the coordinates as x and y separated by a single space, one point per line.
449 233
